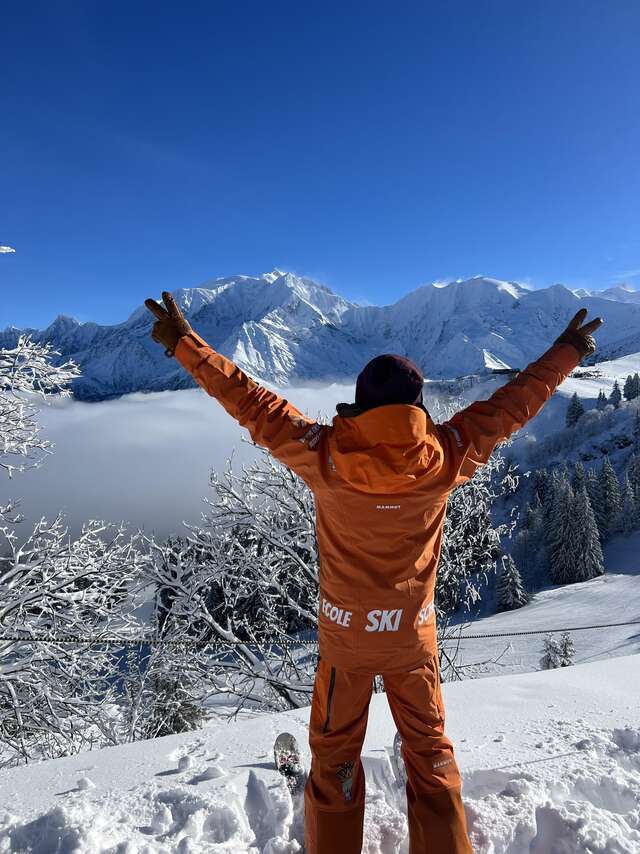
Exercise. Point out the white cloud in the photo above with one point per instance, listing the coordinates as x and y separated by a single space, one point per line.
5 249
629 274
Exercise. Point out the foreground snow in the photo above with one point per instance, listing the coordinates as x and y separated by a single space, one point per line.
551 765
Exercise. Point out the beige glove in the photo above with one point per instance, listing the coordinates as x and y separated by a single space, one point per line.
579 336
171 324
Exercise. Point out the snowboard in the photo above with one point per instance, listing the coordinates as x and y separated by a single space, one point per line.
398 762
286 755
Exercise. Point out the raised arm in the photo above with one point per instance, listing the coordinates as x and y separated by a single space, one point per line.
471 435
272 421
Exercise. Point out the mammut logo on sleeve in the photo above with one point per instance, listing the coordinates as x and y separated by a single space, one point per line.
312 436
442 763
383 621
387 506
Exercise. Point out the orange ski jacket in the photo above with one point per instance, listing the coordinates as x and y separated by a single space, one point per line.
381 481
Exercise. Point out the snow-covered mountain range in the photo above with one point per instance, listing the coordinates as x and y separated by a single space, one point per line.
284 328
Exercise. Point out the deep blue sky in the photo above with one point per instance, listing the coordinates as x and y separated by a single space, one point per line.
373 146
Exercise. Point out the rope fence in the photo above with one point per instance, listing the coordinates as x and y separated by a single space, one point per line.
275 642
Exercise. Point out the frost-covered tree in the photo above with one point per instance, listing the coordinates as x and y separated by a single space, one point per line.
551 653
628 390
636 385
601 402
471 541
628 519
27 377
575 410
567 650
608 500
616 395
557 653
57 694
511 592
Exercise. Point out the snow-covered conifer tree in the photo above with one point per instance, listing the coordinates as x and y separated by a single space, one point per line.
628 519
616 395
557 496
578 477
567 650
636 432
551 653
559 532
601 402
586 554
540 485
575 410
528 549
609 504
572 536
636 385
511 592
628 389
593 491
633 472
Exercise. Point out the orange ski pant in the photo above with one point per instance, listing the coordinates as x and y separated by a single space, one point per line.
335 790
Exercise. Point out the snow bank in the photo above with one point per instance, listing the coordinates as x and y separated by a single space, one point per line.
550 761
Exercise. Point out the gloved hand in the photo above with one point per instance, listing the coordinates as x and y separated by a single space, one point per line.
171 324
580 336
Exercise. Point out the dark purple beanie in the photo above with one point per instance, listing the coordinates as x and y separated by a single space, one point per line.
389 379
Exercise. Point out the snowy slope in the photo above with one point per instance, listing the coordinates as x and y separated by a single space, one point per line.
551 765
284 328
611 598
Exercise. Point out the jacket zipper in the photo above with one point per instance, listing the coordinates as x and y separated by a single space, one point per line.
332 685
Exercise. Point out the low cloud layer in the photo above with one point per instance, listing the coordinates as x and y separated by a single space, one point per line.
144 458
5 249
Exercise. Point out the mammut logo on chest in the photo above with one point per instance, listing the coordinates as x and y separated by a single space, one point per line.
383 621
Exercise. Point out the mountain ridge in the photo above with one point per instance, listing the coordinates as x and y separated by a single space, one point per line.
284 329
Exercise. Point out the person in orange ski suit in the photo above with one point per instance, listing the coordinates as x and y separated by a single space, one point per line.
381 474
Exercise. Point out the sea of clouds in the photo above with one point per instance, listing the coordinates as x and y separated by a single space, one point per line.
143 459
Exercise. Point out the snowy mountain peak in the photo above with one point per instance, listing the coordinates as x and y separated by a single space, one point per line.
63 324
623 292
273 275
